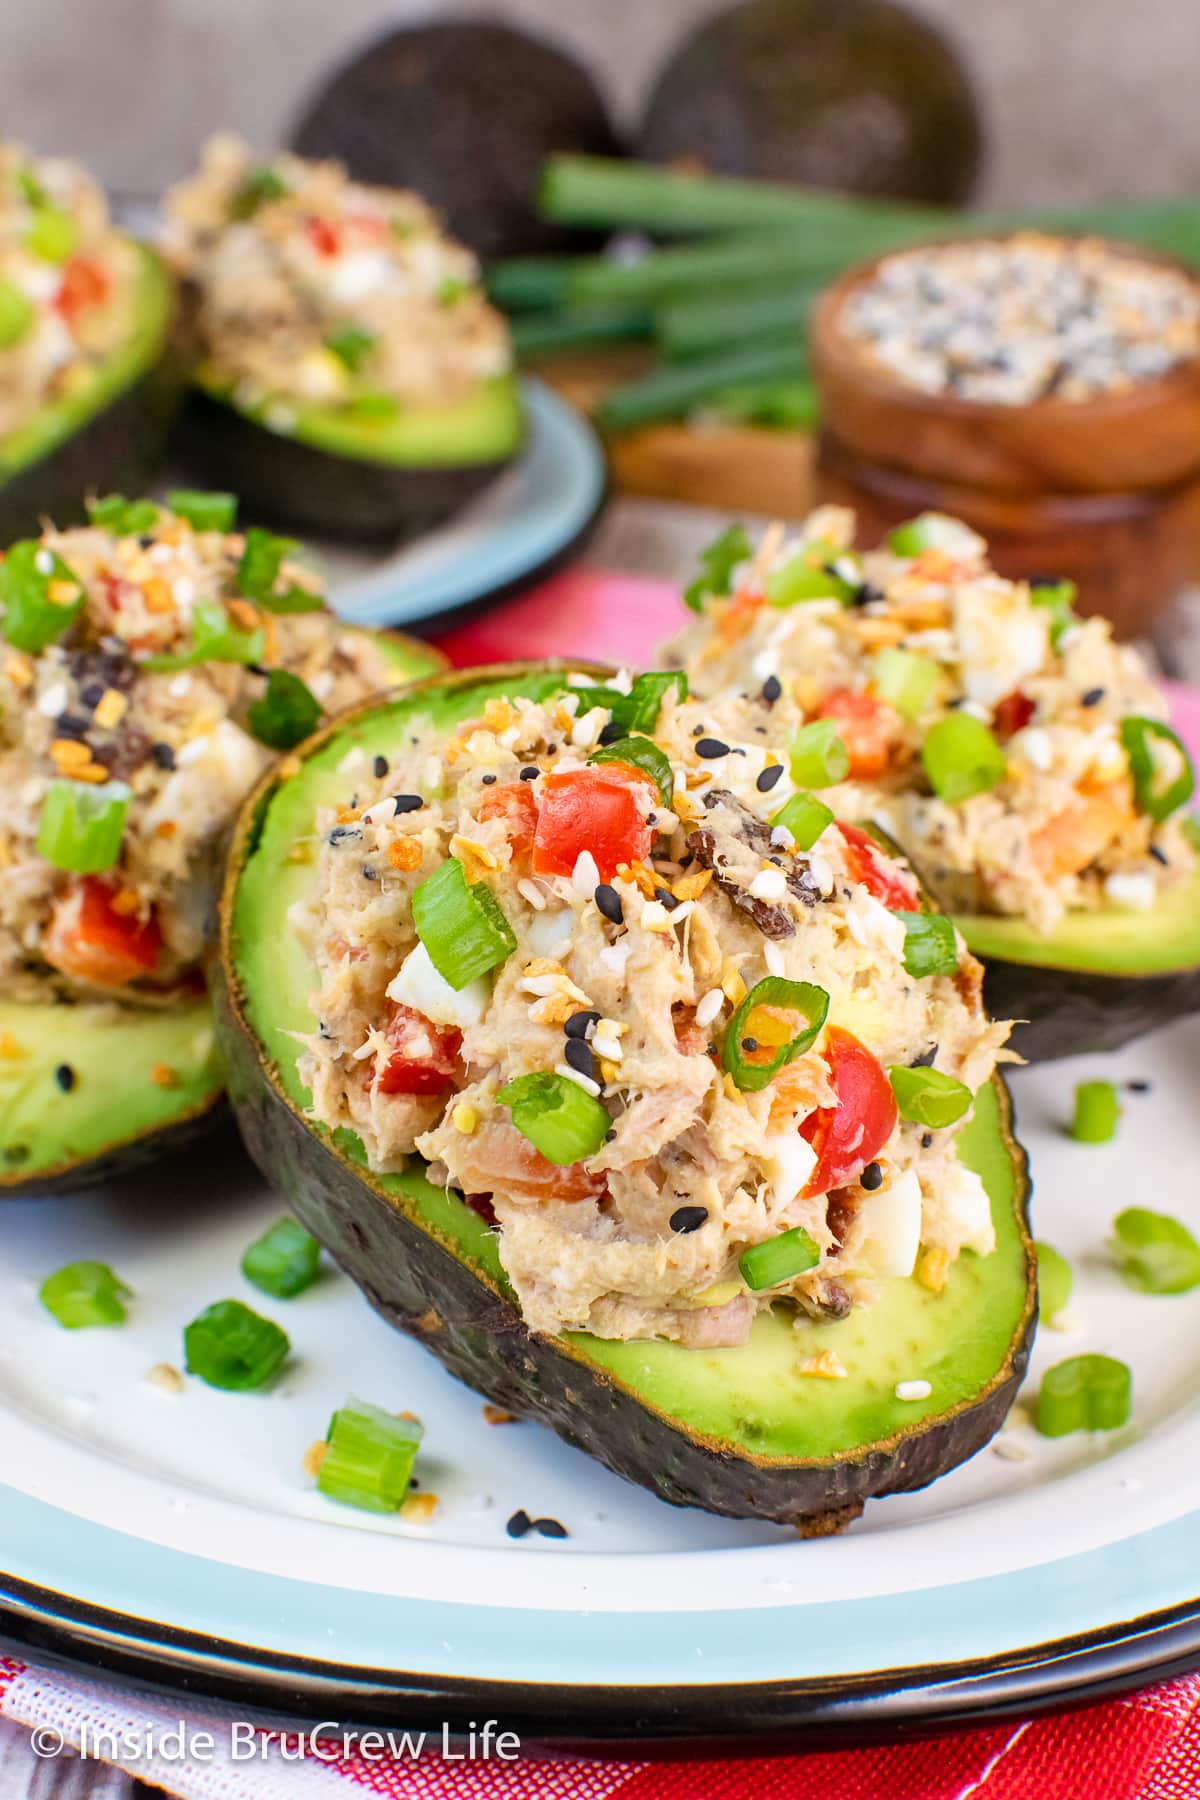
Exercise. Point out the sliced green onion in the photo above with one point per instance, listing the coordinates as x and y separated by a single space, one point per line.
717 565
286 714
1154 1252
461 924
578 328
351 344
560 1120
930 944
452 289
369 1457
31 618
1158 795
803 997
84 1293
216 637
204 511
1058 597
1097 1111
807 576
81 826
258 574
231 1347
805 817
1055 1279
927 1097
31 189
259 186
643 703
906 680
124 518
283 1261
1084 1393
52 236
16 315
961 758
779 1259
644 754
818 756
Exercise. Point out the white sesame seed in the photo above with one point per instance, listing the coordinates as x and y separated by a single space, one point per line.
1009 1451
585 876
584 1081
192 751
768 884
773 957
53 700
530 891
709 1006
43 562
913 1390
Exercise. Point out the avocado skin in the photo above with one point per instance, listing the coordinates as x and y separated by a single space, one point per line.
1067 1012
282 481
851 94
207 1122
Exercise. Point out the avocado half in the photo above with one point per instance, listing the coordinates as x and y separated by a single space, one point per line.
736 1431
91 1089
109 436
339 476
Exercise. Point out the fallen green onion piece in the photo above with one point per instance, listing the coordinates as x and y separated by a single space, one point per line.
1154 1252
231 1347
930 944
1097 1111
916 535
1084 1393
461 924
805 817
906 680
788 404
16 315
644 754
1054 1279
81 826
561 1121
84 1293
779 1259
1058 598
283 1261
677 390
216 637
351 344
124 518
259 186
817 755
578 327
803 997
927 1097
806 576
703 322
204 511
529 284
286 714
369 1457
718 561
53 235
31 618
961 758
1157 797
258 572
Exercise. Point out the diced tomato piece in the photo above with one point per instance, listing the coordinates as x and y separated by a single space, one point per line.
846 1137
1083 831
868 864
84 284
737 618
602 809
498 1160
322 236
866 726
513 802
370 227
1012 714
90 940
424 1057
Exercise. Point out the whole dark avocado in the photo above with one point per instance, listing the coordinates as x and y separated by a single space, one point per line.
465 113
851 94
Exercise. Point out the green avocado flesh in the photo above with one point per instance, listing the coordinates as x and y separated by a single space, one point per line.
1108 941
742 1431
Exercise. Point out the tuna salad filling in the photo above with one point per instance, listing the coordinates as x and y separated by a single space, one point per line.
1020 755
311 289
68 283
693 1051
152 664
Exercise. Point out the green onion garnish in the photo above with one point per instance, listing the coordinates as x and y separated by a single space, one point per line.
930 945
717 565
31 189
1154 1252
637 710
258 574
1058 597
283 1261
805 576
767 1033
1158 793
52 235
1097 1111
84 1293
961 758
905 679
560 1120
1054 1279
215 638
231 1347
1084 1393
81 826
286 714
124 518
259 186
452 289
351 344
805 817
461 924
913 536
818 756
927 1097
204 511
644 754
369 1457
16 315
779 1259
32 619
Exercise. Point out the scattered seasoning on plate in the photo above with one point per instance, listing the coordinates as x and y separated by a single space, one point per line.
520 1524
550 1528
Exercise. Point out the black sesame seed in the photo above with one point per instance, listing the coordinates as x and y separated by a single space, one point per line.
768 778
403 803
162 756
871 1177
688 1218
666 898
71 725
610 1137
608 902
926 1140
611 733
530 772
380 766
866 595
652 818
1139 1085
258 669
1159 854
578 1023
64 1075
711 748
578 1056
520 1524
340 833
91 693
749 1045
926 1059
1093 697
772 688
370 874
488 780
146 540
549 1528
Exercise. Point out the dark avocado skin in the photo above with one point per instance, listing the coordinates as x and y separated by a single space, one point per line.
851 94
1066 1012
282 481
193 1130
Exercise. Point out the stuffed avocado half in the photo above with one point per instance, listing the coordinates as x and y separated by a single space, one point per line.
1021 757
153 664
86 382
759 1246
349 375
